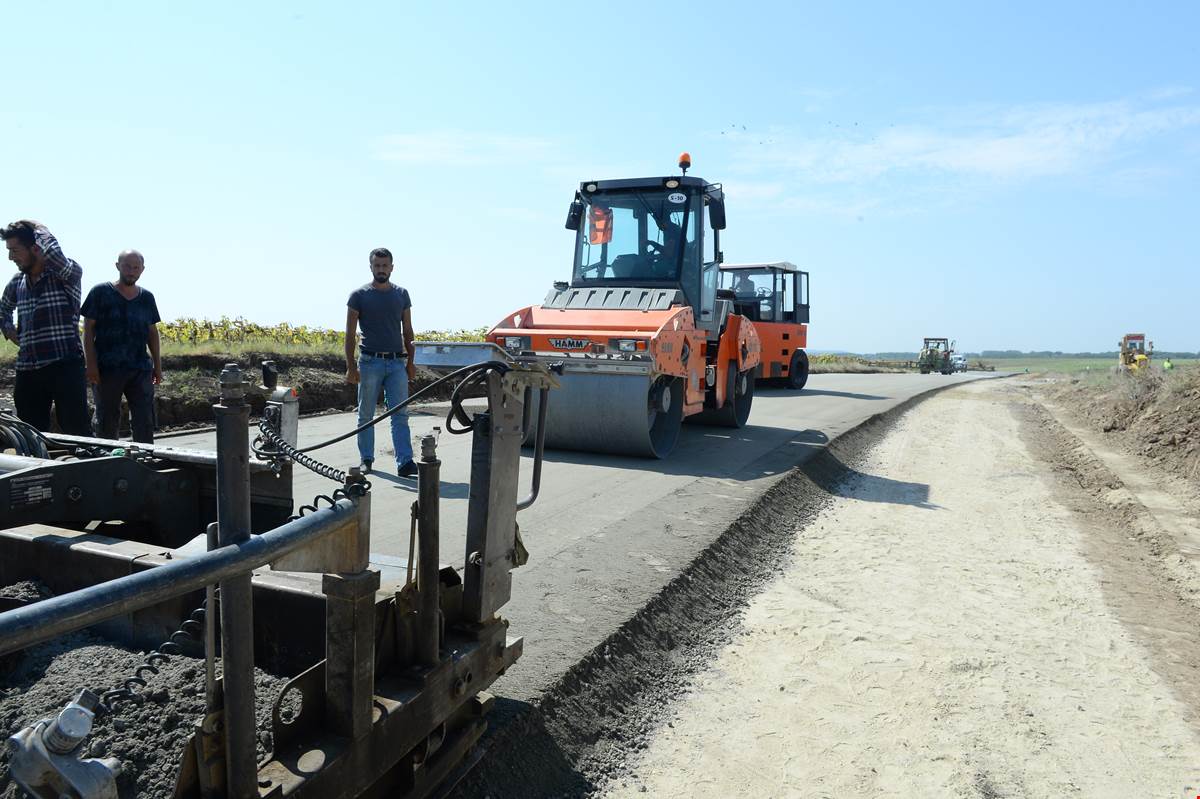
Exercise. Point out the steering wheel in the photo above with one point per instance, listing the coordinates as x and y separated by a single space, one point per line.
655 247
762 293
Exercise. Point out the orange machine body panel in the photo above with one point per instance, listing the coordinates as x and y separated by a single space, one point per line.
666 340
780 340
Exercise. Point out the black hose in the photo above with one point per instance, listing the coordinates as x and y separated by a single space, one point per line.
29 441
472 371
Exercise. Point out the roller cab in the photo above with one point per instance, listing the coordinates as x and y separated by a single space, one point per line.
774 296
639 334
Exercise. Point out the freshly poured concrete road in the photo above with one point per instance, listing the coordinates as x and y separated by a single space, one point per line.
607 533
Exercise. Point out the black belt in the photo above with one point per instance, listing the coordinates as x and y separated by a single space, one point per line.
387 356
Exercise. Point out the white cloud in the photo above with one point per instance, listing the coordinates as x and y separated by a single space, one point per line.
1169 92
458 148
960 149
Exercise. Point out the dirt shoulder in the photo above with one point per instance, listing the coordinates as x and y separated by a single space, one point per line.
975 613
1154 415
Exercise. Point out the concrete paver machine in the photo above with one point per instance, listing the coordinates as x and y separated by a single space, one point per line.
385 667
640 336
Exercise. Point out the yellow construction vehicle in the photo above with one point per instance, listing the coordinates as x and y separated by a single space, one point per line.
1134 352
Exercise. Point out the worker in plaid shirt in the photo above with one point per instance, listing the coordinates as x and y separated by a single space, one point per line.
46 296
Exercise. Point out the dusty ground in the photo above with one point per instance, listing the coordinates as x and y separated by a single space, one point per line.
986 610
1153 415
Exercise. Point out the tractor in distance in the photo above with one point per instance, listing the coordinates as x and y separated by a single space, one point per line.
935 356
1134 352
775 298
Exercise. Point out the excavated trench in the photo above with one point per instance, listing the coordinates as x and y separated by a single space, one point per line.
585 727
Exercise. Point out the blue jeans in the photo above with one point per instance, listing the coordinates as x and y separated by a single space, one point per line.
392 376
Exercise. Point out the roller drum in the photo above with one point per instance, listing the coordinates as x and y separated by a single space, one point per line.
632 414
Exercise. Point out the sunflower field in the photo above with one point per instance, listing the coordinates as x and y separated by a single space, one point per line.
182 334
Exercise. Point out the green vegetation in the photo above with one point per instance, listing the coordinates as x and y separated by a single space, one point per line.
840 364
239 337
1070 364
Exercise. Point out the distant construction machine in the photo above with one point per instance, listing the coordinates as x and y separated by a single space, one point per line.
642 336
1134 352
935 356
775 298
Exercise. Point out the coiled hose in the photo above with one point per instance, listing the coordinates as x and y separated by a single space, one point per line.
192 629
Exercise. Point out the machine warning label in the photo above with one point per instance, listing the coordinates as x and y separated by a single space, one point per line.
24 492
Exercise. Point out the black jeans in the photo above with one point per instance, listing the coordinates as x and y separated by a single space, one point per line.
62 383
137 386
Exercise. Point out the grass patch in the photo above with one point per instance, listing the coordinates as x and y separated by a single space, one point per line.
853 364
238 342
1072 366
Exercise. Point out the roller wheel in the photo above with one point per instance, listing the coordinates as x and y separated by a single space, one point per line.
739 397
618 414
664 414
743 398
798 370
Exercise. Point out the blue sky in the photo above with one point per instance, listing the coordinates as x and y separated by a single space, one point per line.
993 175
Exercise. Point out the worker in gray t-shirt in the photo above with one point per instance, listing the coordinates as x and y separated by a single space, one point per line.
382 310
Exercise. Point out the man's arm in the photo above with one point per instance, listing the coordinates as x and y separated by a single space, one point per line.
152 341
7 303
409 347
89 351
57 263
351 340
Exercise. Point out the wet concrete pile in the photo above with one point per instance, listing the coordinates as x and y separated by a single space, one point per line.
147 736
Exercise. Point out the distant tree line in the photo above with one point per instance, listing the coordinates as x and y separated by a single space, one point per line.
1001 354
1058 354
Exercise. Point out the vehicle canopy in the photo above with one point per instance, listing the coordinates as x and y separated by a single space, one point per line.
767 292
650 233
1134 341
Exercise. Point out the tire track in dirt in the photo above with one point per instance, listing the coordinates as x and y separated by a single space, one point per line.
589 724
974 648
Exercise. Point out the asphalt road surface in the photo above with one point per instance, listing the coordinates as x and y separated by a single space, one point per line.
607 532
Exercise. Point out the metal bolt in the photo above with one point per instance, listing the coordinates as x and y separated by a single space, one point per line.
233 386
73 723
429 448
